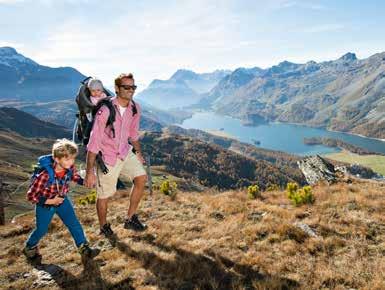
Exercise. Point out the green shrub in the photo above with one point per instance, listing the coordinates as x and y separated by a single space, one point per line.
82 201
272 187
88 199
298 195
169 188
291 188
253 191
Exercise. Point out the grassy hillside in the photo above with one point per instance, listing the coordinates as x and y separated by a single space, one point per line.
285 162
213 240
212 165
29 126
375 162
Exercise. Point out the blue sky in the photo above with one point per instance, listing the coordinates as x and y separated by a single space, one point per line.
153 39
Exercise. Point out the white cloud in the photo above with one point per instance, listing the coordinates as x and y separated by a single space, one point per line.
152 44
45 2
324 28
10 1
285 4
12 44
153 39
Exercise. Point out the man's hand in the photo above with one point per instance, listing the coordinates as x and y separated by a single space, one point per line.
90 179
57 200
138 151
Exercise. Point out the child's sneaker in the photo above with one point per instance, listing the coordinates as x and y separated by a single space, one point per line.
31 253
88 252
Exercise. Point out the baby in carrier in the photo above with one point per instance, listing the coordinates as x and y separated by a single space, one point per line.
97 93
90 97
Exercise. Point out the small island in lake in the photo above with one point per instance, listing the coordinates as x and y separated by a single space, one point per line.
256 142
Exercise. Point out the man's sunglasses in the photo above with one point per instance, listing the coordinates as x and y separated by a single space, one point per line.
127 87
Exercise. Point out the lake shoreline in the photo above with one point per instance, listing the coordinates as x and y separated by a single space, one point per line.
288 123
324 128
221 133
278 136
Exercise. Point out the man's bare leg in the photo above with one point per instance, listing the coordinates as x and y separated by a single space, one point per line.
137 192
101 208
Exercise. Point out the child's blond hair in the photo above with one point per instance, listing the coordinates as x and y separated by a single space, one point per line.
64 148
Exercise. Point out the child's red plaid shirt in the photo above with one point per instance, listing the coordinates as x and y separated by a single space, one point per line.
40 190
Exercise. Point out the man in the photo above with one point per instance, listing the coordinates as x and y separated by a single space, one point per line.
111 142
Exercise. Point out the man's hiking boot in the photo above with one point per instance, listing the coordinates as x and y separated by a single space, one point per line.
134 224
107 231
88 252
31 253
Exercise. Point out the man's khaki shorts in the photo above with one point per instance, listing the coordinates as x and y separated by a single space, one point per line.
106 183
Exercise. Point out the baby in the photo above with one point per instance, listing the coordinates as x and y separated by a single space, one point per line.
96 93
96 90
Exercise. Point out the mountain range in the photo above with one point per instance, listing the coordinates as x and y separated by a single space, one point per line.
27 125
346 94
49 93
23 79
182 89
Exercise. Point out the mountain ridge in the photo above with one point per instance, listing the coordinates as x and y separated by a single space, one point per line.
342 95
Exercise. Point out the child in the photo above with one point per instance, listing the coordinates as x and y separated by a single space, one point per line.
49 192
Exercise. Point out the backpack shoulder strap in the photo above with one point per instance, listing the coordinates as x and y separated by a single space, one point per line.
46 162
111 108
134 108
85 81
112 113
70 173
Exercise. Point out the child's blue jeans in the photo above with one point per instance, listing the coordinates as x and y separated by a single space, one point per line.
66 213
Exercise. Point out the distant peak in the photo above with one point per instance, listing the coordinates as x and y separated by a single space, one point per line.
221 71
182 70
7 51
348 56
10 57
311 62
184 74
285 63
243 70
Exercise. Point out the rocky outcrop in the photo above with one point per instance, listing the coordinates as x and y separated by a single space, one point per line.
315 168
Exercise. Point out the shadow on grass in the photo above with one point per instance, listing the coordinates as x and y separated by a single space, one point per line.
200 271
186 270
89 279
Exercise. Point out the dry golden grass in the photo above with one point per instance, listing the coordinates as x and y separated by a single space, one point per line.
214 240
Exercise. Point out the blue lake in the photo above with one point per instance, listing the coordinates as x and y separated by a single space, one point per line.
278 136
